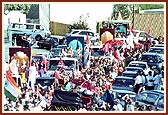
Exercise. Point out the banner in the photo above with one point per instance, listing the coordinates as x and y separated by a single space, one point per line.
19 59
77 45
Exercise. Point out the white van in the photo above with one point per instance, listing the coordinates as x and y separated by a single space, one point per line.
36 31
83 33
69 65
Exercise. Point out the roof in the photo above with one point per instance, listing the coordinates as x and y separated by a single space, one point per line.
122 91
156 47
154 91
149 53
120 21
133 68
25 23
123 77
63 58
138 62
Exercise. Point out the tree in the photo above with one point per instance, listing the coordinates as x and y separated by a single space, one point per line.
80 24
150 6
124 9
24 8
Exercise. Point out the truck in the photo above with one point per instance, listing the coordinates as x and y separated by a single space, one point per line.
34 31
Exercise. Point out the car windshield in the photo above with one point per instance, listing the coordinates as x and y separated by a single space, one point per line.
67 64
149 98
143 66
37 58
132 69
45 82
129 74
56 51
149 58
159 51
123 82
97 52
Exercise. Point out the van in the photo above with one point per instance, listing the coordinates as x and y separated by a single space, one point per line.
83 33
68 64
36 31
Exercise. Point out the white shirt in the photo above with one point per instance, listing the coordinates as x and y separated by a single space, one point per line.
138 80
113 74
143 79
129 107
32 73
157 78
149 83
118 107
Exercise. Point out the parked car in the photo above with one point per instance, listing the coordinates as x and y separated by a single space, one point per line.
141 64
151 98
132 74
45 80
153 60
37 31
19 41
159 45
120 94
47 43
83 33
46 54
68 64
123 83
62 46
141 35
158 50
55 52
96 51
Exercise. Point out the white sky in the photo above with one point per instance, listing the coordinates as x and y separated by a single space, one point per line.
69 12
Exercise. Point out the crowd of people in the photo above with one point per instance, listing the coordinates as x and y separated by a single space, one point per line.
101 74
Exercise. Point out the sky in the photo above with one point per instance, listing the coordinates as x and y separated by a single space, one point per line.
69 12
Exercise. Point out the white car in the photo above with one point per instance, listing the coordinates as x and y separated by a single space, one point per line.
141 35
83 33
140 64
37 31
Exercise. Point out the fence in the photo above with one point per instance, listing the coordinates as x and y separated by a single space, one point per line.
57 28
153 21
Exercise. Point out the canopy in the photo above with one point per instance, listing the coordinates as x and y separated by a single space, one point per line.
120 21
65 98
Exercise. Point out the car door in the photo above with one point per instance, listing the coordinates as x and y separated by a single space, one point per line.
160 104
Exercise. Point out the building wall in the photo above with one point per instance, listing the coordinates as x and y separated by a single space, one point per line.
44 15
153 21
13 16
39 13
57 28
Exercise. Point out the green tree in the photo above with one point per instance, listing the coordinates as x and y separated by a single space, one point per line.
124 9
150 6
24 8
81 23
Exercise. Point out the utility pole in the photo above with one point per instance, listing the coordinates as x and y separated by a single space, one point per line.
133 17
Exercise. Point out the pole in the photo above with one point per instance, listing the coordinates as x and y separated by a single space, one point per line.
133 18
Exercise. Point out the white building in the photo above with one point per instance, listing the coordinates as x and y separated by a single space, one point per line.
13 16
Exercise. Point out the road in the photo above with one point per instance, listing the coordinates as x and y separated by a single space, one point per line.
6 46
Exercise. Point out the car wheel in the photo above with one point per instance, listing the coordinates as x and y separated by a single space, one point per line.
38 38
40 46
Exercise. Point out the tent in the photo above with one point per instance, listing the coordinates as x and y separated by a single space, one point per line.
66 99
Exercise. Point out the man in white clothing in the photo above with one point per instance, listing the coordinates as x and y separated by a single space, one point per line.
32 76
157 79
138 82
149 84
117 106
